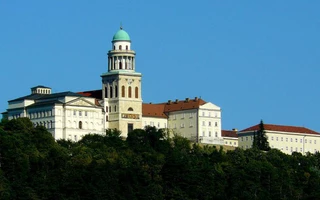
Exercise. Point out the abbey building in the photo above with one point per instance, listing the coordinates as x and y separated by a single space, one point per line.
117 105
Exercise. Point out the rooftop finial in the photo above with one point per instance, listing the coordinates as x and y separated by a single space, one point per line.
121 26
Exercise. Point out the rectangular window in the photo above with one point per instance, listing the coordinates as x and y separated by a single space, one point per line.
80 113
300 140
191 115
209 123
241 138
277 138
286 139
315 141
272 138
281 139
107 109
182 125
300 149
216 124
287 148
291 139
158 124
182 116
296 139
74 112
246 138
209 133
291 149
203 123
203 114
86 113
305 141
203 133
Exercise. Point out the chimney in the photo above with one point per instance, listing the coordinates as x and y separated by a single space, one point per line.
169 102
196 99
176 100
187 99
234 129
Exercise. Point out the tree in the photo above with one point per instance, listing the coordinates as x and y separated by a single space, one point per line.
260 139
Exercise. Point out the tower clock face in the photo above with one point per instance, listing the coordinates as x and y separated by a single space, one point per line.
130 81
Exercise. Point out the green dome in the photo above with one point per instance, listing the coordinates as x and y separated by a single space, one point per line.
121 35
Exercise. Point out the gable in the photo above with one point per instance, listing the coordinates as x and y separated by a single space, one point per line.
210 105
81 102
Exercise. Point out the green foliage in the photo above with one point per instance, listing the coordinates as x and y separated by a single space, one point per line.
147 165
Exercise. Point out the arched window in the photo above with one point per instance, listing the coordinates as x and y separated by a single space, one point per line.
120 65
136 92
116 91
115 108
111 92
107 119
80 124
123 91
114 47
130 109
129 91
126 64
127 47
120 47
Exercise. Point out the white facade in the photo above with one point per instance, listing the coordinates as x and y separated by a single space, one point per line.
298 139
66 115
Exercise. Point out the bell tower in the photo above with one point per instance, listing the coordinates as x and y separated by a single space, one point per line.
121 87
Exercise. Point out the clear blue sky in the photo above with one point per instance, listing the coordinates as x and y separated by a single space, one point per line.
254 59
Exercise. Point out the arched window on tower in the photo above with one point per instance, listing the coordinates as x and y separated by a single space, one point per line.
114 47
127 47
80 124
111 92
120 47
129 91
107 119
136 92
116 91
120 65
123 91
106 92
130 109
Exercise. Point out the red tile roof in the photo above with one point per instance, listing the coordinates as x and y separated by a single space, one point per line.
229 133
159 110
183 105
153 110
282 128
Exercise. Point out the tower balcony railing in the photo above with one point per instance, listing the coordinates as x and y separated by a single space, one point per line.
121 51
